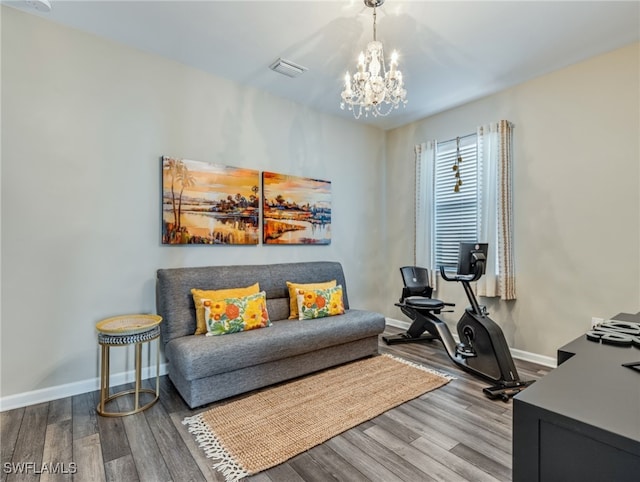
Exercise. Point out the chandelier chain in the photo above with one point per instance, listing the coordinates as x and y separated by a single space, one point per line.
374 23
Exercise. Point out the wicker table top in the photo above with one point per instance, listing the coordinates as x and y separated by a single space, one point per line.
128 324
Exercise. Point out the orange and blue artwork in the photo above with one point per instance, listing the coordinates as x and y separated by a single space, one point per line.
296 210
206 203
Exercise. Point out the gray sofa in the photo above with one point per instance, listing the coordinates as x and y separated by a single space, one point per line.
209 368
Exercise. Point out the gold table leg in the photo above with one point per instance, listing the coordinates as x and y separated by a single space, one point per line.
104 378
136 404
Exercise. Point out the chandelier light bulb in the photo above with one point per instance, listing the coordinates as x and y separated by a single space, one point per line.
373 89
393 63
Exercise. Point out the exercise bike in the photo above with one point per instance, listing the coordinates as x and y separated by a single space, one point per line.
483 350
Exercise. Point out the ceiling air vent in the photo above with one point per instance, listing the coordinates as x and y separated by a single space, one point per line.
40 5
288 68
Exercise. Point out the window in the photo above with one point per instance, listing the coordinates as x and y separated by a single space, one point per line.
481 211
456 214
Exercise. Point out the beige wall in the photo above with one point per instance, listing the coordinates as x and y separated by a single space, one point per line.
84 123
576 191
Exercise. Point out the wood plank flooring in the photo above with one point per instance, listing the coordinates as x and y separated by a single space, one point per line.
451 434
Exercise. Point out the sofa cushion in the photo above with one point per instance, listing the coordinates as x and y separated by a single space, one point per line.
319 303
234 315
175 303
201 356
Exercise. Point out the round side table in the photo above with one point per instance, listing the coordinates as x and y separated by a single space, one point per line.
128 330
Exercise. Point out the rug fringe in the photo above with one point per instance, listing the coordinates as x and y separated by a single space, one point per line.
421 367
214 449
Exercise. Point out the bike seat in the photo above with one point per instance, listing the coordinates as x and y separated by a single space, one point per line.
423 303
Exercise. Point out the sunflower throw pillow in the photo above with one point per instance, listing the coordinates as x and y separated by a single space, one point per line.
319 303
200 296
232 315
293 291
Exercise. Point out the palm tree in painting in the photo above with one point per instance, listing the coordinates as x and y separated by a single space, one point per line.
186 180
171 166
179 175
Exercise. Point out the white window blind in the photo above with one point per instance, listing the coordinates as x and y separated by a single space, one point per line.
456 213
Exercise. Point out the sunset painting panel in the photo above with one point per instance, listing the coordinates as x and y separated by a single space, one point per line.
205 203
296 210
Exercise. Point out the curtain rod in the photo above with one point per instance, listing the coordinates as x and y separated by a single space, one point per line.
469 135
459 137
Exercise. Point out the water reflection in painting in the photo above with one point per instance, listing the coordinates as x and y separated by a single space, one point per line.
205 203
297 210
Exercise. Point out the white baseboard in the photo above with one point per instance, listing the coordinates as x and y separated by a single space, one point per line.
75 388
543 360
398 323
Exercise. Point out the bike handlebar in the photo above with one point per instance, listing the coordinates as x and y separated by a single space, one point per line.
465 280
479 268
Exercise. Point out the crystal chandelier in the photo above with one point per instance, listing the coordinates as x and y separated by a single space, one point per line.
373 89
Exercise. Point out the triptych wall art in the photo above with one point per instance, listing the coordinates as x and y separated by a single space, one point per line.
206 203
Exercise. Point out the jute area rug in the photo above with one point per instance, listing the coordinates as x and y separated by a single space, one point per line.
265 429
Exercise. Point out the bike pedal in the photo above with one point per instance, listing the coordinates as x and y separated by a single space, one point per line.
465 352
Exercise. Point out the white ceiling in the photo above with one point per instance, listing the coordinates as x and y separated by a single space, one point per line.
451 52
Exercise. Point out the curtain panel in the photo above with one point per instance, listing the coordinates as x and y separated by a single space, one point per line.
496 222
423 241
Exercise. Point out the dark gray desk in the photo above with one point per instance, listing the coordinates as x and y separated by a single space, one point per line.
582 420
